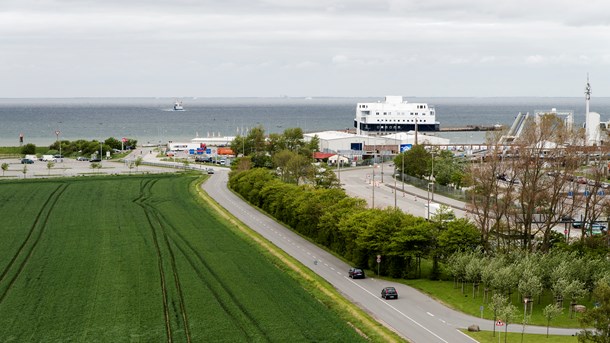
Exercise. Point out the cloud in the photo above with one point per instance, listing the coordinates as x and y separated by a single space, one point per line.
420 39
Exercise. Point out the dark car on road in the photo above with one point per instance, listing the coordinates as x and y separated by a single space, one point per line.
356 273
26 161
95 159
389 293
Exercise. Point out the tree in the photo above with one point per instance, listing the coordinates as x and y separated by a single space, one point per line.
95 165
415 161
497 304
138 162
551 311
50 165
4 168
507 313
598 317
28 149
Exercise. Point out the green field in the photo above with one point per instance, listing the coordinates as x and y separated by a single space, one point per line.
138 258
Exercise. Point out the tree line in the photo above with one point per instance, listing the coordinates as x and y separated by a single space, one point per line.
346 226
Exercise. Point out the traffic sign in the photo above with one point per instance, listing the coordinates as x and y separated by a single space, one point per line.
378 258
499 323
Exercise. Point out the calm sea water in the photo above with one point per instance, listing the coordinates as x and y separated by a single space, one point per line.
150 120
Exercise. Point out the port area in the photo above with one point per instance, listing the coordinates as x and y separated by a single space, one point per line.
472 128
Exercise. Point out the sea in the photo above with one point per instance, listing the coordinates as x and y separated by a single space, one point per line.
42 121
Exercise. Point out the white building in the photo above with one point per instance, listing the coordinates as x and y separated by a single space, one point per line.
394 115
346 143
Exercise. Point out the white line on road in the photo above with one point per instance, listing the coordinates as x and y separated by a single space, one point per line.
397 310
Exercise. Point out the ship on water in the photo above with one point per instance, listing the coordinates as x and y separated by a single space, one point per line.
178 106
394 115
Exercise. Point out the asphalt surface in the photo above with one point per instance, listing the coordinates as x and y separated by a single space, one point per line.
413 315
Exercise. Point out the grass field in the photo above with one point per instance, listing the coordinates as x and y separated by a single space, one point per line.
137 258
446 292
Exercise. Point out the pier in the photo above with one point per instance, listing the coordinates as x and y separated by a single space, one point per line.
472 128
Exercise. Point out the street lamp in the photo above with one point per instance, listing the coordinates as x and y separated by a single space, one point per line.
525 301
373 184
432 174
430 185
57 132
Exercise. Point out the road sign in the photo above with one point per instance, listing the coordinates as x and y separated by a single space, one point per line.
499 323
378 258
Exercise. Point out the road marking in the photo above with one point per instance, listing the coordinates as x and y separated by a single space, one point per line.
397 310
430 314
474 340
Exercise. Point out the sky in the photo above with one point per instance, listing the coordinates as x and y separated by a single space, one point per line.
271 48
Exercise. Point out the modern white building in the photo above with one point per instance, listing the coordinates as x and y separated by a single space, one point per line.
394 115
343 142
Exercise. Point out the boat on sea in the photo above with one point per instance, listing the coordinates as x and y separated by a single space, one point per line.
394 115
178 106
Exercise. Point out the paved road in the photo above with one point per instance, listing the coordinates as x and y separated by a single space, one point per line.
414 315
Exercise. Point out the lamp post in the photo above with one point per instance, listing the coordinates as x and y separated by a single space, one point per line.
373 183
432 174
430 185
525 301
57 132
395 190
402 172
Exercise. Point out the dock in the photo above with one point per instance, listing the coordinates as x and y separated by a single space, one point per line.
472 128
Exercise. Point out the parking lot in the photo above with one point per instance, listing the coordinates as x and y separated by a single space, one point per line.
72 167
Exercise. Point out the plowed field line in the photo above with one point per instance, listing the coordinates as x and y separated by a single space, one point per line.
144 193
155 222
252 322
40 222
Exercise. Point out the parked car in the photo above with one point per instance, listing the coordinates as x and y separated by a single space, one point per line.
595 229
356 273
81 158
96 159
389 293
26 161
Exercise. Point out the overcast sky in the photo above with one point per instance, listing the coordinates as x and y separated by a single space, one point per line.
235 48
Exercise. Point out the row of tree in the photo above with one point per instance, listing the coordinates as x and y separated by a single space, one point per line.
82 147
346 226
522 190
566 275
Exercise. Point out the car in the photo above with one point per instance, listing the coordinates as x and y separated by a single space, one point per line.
58 156
26 161
81 158
595 229
566 218
389 293
210 171
356 273
96 159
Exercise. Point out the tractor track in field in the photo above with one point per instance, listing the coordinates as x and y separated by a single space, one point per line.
40 222
154 223
192 251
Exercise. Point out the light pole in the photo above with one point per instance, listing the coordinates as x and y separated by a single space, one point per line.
395 190
402 172
525 301
430 185
373 183
57 132
432 174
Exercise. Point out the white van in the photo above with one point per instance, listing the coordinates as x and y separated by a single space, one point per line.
47 158
31 157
